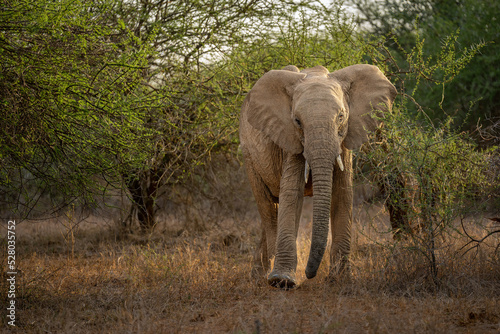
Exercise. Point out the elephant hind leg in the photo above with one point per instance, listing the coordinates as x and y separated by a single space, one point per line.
268 210
261 262
267 246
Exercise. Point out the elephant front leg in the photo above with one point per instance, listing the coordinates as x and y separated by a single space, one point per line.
341 217
290 207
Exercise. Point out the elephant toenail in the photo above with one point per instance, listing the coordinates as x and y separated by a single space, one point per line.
281 281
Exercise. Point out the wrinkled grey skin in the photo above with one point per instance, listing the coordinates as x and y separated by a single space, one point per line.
287 118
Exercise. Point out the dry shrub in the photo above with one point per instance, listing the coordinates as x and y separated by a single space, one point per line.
402 267
216 195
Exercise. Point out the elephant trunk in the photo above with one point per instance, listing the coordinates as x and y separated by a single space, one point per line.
322 172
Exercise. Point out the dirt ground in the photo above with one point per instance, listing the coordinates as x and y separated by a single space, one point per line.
89 277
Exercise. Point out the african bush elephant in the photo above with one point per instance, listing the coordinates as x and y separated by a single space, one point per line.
297 130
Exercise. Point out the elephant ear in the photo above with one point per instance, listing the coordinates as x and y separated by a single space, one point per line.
269 108
368 92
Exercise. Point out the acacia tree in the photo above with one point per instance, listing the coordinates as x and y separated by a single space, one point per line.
475 94
73 103
209 54
187 126
432 174
138 91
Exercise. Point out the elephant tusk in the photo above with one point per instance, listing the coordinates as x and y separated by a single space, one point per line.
307 171
339 161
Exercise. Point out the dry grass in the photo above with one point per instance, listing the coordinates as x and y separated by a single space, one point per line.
100 281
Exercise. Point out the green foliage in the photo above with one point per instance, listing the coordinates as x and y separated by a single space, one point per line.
475 94
306 37
446 167
72 101
99 92
418 73
443 177
207 78
113 93
431 173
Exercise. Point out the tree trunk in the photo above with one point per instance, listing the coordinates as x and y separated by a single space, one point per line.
397 203
143 189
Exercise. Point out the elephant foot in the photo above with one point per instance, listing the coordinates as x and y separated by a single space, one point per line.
281 281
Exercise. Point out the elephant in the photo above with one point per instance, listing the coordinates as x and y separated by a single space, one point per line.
297 132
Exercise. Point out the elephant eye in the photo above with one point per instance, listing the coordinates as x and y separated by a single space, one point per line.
297 122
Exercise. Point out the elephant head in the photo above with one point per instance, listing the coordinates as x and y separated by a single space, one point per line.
318 114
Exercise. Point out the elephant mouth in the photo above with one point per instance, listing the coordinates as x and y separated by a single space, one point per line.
308 190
